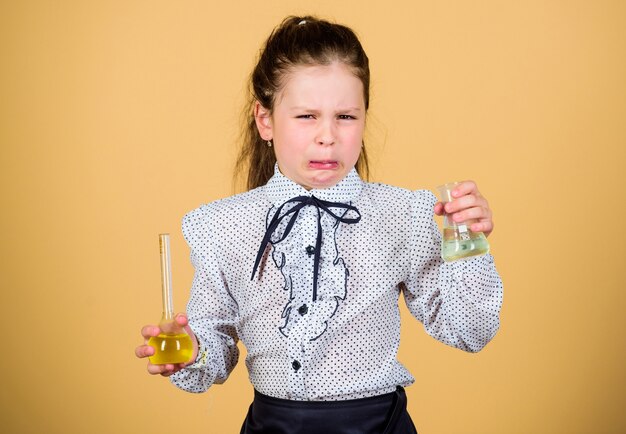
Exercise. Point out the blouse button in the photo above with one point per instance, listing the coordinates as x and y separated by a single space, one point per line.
296 365
310 250
302 310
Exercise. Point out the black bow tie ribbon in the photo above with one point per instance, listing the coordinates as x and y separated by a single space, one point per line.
292 214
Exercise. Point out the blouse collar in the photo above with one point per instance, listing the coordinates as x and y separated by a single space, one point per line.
280 189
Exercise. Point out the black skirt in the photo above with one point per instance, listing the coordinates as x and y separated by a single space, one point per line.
383 414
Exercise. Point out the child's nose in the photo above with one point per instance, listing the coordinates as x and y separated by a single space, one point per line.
325 134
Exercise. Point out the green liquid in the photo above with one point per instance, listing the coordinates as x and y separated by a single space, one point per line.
461 245
176 348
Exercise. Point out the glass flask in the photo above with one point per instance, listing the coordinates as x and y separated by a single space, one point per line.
173 344
459 241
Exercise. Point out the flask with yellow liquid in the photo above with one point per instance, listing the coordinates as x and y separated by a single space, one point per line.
173 344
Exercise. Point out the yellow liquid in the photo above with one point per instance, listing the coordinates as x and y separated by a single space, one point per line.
176 348
462 245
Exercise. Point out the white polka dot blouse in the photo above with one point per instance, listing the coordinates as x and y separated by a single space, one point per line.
310 281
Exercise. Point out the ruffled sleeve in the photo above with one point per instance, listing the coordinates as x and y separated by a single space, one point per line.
459 302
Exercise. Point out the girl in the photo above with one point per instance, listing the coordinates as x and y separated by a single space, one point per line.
306 268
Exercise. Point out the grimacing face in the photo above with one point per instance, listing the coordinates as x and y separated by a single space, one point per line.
317 124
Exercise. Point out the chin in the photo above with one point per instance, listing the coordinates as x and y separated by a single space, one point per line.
326 182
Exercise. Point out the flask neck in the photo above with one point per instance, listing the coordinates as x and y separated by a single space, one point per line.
166 277
168 310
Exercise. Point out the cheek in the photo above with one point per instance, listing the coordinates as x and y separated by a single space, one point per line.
295 136
355 138
355 130
284 156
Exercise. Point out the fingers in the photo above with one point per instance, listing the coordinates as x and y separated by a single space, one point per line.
474 213
463 188
164 370
466 196
486 227
149 331
466 201
143 351
181 319
468 205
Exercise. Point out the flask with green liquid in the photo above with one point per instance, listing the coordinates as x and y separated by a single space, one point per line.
173 344
459 241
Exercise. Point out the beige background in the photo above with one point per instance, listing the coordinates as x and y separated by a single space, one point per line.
117 117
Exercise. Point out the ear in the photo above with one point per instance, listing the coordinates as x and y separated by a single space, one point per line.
263 120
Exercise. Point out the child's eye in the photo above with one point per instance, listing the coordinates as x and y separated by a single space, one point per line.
346 117
305 117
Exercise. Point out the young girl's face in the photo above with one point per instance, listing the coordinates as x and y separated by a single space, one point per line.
317 124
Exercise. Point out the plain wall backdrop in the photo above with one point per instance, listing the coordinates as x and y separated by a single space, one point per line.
118 117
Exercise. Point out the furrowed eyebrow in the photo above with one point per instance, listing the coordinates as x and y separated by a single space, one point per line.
343 110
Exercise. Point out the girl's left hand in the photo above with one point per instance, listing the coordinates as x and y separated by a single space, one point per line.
468 204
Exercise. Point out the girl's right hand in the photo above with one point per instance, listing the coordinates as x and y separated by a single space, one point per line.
145 350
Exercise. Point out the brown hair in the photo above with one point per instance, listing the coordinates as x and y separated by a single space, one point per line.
296 41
